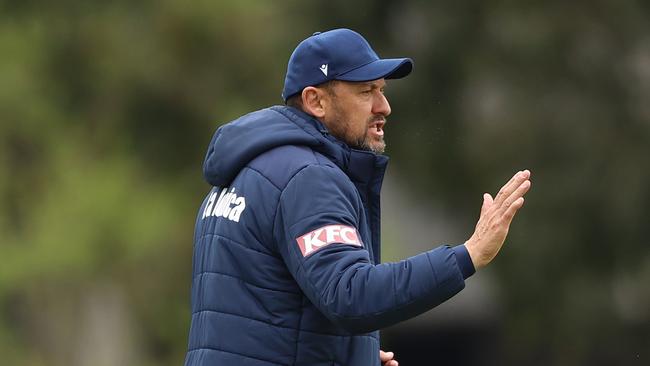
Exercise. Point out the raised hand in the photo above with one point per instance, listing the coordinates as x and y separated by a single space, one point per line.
496 215
387 358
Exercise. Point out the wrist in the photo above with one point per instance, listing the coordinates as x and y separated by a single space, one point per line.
473 255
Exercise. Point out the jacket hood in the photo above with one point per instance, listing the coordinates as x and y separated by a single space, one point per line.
237 143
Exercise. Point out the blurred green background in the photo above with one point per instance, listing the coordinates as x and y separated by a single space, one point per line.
106 109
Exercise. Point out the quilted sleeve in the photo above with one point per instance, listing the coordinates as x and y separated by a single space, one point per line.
317 233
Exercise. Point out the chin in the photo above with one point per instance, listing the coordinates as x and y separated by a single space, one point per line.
377 148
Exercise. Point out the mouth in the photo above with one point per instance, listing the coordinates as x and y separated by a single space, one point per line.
377 127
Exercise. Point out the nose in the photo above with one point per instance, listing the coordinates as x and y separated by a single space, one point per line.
381 105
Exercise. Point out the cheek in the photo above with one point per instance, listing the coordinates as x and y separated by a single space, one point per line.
360 115
356 118
360 124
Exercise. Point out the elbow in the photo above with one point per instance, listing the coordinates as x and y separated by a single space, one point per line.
357 318
355 325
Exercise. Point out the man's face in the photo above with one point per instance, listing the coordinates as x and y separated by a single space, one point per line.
356 113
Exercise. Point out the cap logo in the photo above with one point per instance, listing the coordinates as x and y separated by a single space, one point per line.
323 68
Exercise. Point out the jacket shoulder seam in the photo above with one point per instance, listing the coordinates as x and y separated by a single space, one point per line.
316 163
263 176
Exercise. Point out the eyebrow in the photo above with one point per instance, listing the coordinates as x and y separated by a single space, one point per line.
372 84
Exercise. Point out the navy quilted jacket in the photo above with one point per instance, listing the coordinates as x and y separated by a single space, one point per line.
286 264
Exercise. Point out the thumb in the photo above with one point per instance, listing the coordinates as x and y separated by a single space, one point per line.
487 202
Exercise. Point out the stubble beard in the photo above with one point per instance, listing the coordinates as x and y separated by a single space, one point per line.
365 143
340 129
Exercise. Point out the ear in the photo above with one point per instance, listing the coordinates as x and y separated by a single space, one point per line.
312 101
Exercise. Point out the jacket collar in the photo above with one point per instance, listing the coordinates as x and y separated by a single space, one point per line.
363 167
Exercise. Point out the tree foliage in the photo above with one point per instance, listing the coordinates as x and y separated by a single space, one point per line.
106 109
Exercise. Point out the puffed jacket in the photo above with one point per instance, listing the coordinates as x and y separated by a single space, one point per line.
286 267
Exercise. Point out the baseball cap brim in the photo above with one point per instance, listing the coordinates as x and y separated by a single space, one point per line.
389 68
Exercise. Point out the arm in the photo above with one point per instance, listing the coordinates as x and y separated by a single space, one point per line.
339 277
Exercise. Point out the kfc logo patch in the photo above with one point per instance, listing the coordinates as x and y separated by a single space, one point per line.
326 235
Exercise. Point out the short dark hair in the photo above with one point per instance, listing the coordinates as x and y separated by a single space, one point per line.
295 101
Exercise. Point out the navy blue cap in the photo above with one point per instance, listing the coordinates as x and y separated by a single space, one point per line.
339 54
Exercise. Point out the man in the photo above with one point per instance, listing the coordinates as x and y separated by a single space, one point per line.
286 267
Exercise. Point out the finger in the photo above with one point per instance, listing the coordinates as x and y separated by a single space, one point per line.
518 193
487 203
392 363
511 186
506 186
512 210
385 356
511 193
